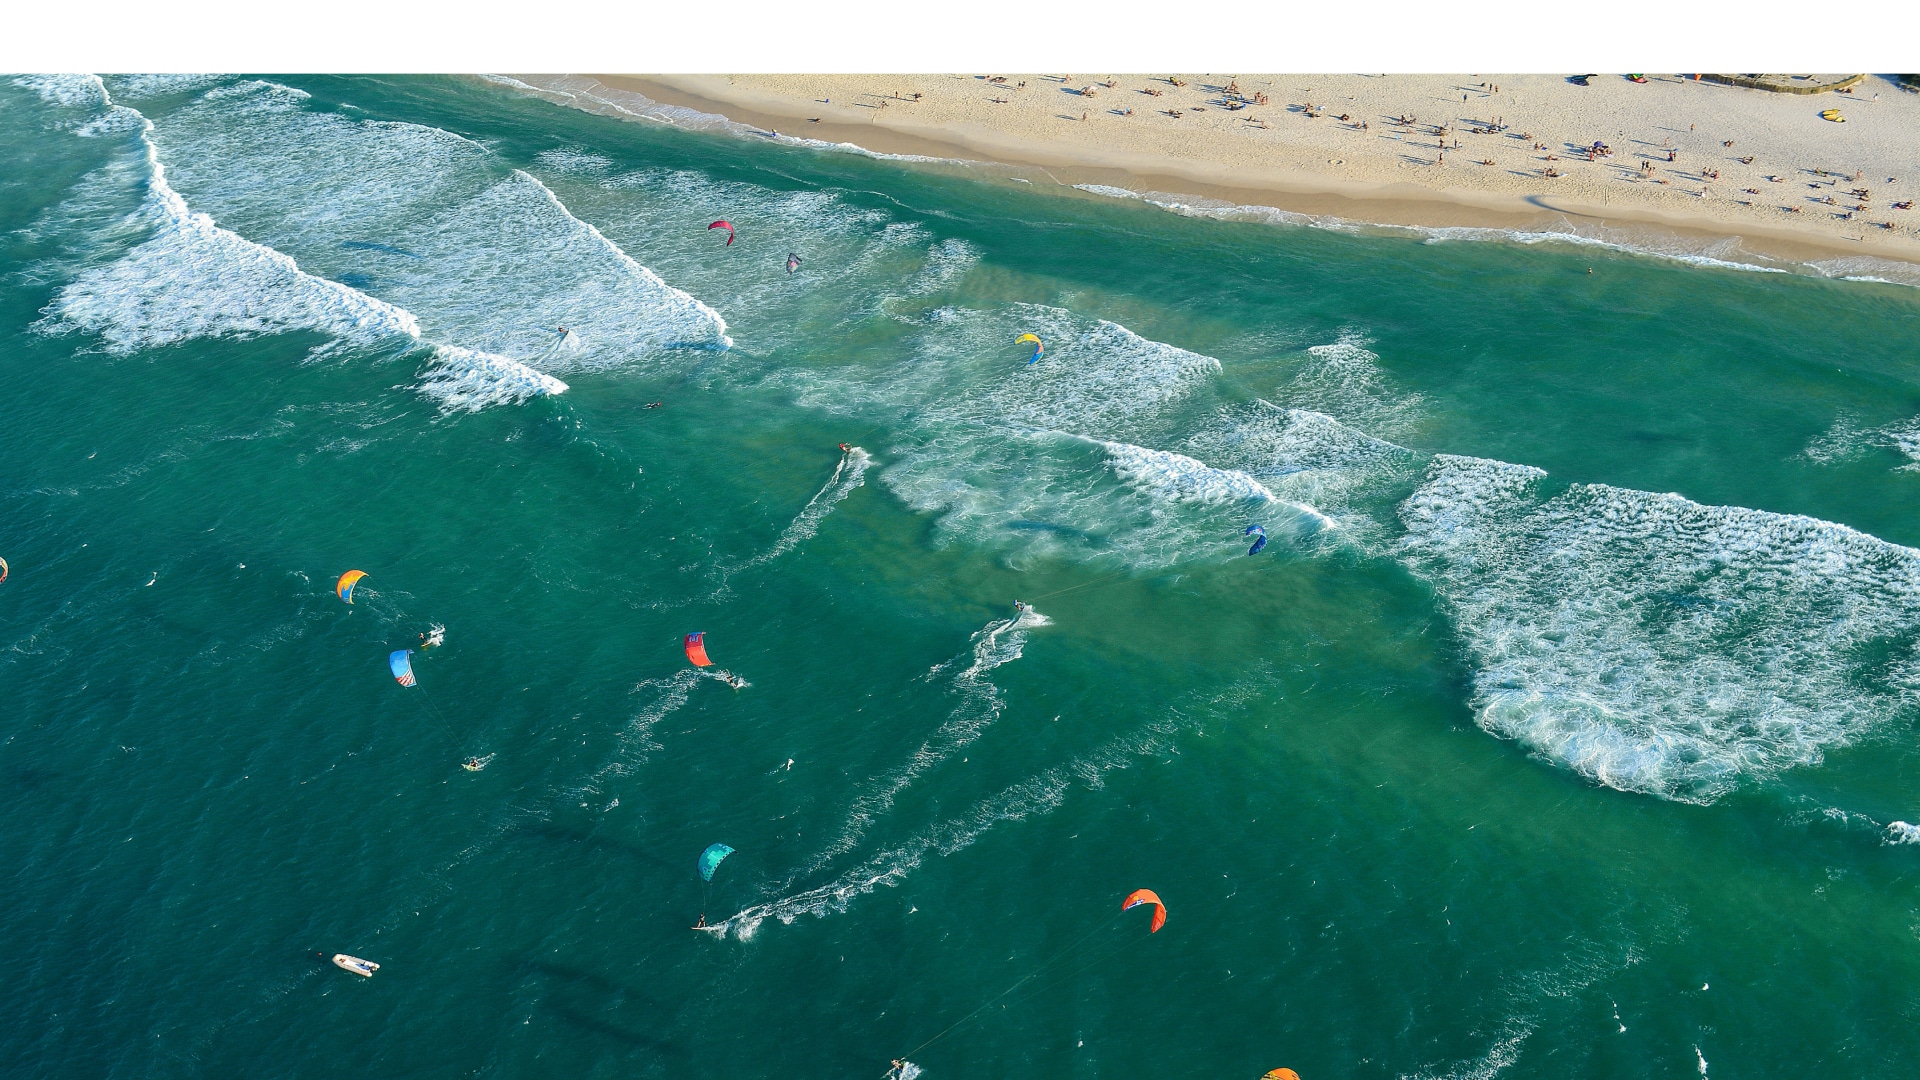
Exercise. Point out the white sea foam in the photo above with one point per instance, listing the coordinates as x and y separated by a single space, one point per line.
1179 478
190 278
1905 437
1901 832
1653 644
465 380
1001 450
1039 794
138 87
488 257
1845 440
1304 456
1725 253
67 91
857 263
1500 1055
1343 379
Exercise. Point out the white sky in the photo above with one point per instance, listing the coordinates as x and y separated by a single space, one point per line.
959 35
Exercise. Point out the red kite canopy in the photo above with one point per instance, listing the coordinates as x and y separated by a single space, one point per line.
723 225
697 649
1148 896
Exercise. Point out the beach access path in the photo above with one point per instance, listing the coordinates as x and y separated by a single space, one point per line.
1484 150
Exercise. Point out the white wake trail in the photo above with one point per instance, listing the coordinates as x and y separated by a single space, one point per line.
1039 794
849 474
998 643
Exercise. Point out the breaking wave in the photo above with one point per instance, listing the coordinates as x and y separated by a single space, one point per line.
1657 645
463 379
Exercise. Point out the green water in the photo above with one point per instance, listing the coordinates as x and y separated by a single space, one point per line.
1471 772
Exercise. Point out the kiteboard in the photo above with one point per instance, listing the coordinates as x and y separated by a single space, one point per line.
362 968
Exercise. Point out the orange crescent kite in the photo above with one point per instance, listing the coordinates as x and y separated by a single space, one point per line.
1148 896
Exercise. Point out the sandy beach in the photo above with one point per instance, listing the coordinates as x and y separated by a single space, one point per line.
1694 162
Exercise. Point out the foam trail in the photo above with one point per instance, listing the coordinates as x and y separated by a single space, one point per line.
1901 832
998 643
636 741
850 473
1036 795
1656 645
635 745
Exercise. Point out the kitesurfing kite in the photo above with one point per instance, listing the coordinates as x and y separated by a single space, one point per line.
1281 1074
3 570
1148 896
344 587
711 858
401 667
1260 538
793 262
1038 348
697 649
723 225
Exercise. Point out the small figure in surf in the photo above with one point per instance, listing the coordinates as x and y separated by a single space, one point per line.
1020 610
733 680
793 263
702 924
655 404
436 635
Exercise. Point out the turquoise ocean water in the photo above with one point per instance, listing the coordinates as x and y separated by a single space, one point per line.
1565 727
